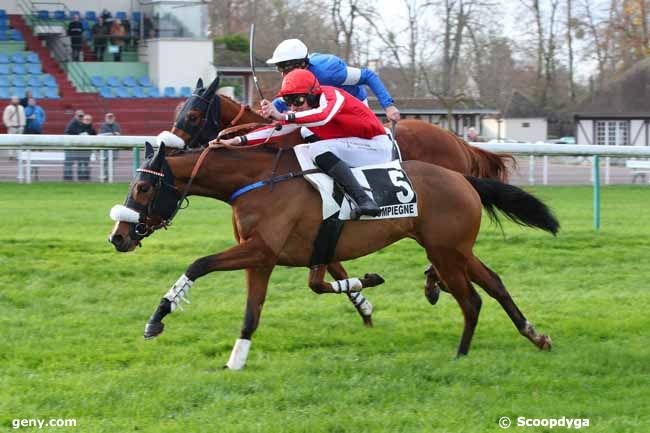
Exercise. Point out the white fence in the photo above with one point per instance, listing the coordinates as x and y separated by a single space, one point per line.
17 155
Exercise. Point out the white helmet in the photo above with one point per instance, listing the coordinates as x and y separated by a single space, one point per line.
290 49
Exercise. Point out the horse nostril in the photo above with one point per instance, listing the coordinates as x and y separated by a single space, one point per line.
116 240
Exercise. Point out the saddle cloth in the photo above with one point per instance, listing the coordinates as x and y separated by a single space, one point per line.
387 183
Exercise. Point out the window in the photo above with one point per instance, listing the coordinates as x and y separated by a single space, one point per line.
613 132
525 125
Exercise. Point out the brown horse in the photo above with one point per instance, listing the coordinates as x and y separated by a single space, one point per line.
200 119
276 231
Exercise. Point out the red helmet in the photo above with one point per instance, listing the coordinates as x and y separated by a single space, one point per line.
300 81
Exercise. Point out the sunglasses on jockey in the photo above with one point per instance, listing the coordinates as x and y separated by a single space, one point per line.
290 65
295 99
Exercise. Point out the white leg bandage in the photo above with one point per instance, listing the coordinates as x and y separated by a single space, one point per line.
361 303
346 286
179 292
239 354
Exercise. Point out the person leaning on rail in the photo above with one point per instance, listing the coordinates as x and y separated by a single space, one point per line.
331 70
351 135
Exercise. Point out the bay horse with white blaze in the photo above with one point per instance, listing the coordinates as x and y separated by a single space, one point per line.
276 231
205 114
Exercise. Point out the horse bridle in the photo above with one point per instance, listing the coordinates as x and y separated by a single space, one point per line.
206 117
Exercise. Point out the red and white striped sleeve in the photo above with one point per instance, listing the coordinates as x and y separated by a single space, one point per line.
331 101
260 135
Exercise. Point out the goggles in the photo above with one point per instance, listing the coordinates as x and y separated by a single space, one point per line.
296 100
290 65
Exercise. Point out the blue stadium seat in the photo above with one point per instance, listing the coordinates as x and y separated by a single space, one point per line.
185 92
59 15
4 25
169 92
4 69
51 93
152 92
3 13
135 18
4 58
106 92
137 92
97 81
4 81
121 15
129 81
18 69
16 35
34 81
3 35
73 13
113 81
144 81
19 81
91 15
18 91
49 81
4 93
43 15
36 92
122 92
32 58
17 58
34 69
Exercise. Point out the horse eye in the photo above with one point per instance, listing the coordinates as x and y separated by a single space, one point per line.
144 188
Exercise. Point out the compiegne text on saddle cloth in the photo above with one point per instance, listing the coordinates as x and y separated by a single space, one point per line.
387 183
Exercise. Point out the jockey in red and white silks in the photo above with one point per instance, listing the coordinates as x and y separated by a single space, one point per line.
351 135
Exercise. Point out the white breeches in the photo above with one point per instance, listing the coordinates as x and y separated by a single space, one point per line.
354 151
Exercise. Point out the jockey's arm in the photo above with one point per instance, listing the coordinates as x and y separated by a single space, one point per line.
356 76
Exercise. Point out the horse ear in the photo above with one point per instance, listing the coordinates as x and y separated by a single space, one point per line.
199 84
161 148
212 90
148 150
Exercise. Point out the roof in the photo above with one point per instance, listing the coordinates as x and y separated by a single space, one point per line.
629 93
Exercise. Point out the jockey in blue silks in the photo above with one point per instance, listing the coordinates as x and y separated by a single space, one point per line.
331 71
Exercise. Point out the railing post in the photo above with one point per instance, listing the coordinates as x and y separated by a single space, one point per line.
545 172
531 169
136 160
110 166
596 192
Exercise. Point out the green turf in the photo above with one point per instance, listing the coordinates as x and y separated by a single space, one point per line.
72 311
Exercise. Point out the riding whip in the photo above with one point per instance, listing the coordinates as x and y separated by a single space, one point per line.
251 50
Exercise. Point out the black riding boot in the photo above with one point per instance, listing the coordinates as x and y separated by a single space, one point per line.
341 173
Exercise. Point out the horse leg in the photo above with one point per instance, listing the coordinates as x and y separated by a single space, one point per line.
251 253
363 306
492 284
318 284
433 285
257 282
452 270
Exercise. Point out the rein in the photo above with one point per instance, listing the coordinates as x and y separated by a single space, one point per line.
270 181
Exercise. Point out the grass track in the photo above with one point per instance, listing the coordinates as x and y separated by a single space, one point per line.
72 313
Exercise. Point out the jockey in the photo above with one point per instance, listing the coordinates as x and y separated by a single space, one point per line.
351 135
331 71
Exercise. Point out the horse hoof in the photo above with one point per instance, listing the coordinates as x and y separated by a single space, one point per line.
545 343
432 294
372 280
367 321
153 329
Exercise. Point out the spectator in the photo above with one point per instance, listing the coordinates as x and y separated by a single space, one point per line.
75 31
14 116
24 101
35 117
100 33
81 124
118 35
471 134
110 126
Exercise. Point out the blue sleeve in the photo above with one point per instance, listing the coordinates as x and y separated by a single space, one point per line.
372 80
40 116
280 105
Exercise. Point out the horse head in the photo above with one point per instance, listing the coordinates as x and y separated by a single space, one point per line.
151 203
198 119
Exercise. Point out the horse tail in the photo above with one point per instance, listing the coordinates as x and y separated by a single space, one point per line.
488 164
519 206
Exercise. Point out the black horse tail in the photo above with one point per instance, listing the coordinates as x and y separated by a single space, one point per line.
519 206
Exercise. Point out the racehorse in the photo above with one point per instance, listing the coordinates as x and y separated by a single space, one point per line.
275 230
205 114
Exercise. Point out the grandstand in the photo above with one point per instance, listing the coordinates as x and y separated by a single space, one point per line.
142 89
